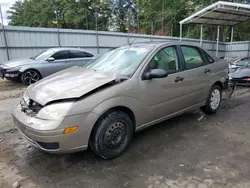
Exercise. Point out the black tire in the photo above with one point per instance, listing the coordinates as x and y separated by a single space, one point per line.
112 135
30 76
210 108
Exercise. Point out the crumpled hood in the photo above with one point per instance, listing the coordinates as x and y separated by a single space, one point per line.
70 83
240 73
17 62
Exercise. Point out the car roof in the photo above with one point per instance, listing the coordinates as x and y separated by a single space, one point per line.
160 43
67 48
163 43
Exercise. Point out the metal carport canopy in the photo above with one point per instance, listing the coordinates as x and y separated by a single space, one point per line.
220 13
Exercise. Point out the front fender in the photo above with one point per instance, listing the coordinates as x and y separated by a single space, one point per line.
36 67
135 105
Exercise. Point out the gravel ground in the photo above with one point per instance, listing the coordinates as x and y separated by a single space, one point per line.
188 151
9 93
10 89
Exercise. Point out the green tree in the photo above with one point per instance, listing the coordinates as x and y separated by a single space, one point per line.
158 16
71 14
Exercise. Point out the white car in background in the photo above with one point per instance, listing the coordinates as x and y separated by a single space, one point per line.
50 61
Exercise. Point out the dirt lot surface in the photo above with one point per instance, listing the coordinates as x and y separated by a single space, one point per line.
9 93
189 151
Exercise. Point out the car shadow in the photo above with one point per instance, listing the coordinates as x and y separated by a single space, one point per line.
158 141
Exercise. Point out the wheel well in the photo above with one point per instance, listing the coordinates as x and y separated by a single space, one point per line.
120 108
34 70
123 109
219 84
127 111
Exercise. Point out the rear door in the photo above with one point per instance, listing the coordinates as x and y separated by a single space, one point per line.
78 57
198 71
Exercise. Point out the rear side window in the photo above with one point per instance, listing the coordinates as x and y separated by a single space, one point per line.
88 54
61 55
209 58
192 57
79 54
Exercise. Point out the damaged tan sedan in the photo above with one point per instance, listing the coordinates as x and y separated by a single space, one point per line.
122 91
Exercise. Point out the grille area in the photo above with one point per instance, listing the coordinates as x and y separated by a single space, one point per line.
30 107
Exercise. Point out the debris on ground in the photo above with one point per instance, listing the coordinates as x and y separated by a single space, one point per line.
181 164
16 185
125 184
201 117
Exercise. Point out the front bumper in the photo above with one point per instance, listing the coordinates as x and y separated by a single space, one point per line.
54 141
239 81
9 75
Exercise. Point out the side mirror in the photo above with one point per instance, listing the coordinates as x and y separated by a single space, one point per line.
155 73
51 59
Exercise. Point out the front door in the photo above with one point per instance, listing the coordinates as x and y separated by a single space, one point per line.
61 62
165 96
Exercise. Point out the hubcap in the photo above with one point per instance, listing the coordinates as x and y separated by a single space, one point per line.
215 99
31 77
115 135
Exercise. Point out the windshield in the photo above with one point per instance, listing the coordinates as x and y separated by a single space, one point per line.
124 60
245 62
44 55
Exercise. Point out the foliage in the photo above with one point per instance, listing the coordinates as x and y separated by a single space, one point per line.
71 14
159 17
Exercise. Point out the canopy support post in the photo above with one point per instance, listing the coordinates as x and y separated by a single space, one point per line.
232 37
218 38
180 32
201 36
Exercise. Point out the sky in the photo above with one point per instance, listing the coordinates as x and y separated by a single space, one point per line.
6 4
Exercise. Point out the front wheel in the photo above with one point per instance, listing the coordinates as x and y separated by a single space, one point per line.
213 101
112 134
31 76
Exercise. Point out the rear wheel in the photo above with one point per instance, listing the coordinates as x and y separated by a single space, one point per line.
112 134
30 76
213 101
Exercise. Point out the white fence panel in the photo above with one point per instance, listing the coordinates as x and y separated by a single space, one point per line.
27 41
112 39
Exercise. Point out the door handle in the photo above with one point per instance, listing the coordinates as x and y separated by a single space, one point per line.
178 79
207 70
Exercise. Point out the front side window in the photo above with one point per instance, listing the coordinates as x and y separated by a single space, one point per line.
166 59
192 57
61 55
209 58
123 60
